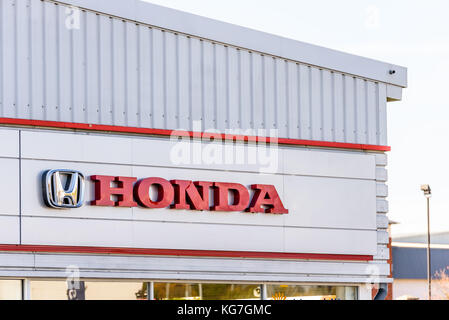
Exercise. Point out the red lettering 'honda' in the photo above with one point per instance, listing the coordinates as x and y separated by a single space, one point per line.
185 195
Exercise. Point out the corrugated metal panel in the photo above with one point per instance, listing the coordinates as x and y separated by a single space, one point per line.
116 72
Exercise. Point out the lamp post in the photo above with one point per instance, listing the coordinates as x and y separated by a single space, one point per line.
428 194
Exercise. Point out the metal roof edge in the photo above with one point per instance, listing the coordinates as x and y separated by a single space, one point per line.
245 38
398 238
419 245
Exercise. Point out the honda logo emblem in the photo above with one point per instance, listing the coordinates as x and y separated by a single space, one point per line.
63 189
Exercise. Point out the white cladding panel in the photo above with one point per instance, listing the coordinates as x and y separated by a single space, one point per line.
189 268
9 230
162 152
330 206
9 143
304 196
9 186
116 72
191 236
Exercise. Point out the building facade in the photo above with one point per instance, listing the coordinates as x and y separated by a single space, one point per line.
149 153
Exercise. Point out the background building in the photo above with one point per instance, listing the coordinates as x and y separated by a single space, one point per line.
410 266
96 88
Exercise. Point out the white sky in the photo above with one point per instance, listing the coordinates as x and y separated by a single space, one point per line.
411 33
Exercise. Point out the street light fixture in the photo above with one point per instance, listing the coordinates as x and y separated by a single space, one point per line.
428 194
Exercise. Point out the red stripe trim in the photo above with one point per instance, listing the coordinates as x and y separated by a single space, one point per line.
183 253
163 132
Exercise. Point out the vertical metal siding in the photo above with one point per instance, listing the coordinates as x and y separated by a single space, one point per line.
116 72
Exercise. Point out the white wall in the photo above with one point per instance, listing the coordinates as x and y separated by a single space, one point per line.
410 287
331 197
96 266
9 187
419 288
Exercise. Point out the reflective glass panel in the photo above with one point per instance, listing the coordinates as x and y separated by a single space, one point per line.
300 292
10 289
206 291
88 290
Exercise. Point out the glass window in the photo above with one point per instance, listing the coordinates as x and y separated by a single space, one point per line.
300 292
116 290
88 290
48 290
126 290
10 289
206 291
